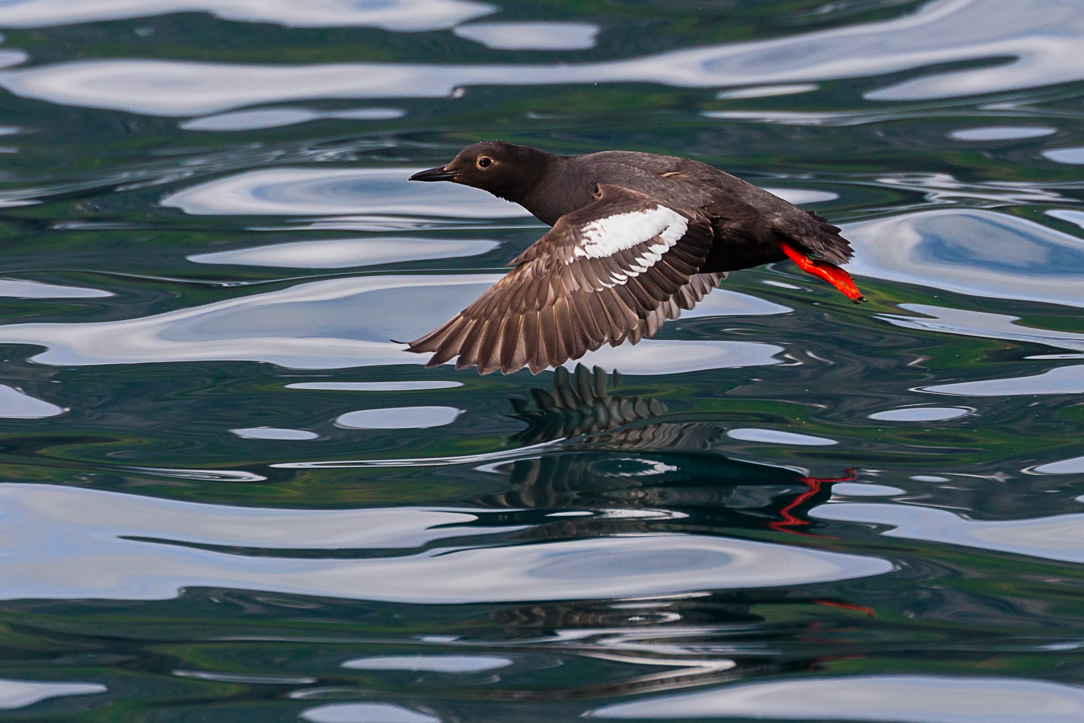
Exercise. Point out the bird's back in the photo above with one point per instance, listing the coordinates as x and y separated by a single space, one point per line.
670 176
748 220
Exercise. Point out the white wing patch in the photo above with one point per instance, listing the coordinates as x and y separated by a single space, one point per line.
607 236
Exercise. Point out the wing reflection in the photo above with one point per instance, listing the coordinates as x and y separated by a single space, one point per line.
580 404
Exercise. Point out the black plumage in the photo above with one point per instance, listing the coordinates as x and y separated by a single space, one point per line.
636 238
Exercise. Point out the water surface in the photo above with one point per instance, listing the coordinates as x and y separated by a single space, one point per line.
228 495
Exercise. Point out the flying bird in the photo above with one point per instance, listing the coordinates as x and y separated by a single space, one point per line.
635 238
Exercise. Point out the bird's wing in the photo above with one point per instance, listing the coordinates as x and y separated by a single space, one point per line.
613 270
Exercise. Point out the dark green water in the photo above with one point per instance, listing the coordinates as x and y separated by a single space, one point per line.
226 496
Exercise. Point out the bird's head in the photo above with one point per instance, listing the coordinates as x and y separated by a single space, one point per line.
504 169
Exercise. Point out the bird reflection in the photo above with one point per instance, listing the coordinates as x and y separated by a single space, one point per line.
620 468
618 457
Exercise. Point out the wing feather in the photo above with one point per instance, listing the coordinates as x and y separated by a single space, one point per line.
611 272
489 350
513 350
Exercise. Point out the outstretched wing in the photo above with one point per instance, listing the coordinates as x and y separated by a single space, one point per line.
613 270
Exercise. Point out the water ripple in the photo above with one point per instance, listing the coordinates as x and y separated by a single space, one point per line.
123 547
403 386
430 663
1002 133
481 460
21 289
1051 538
555 549
309 326
672 356
948 31
277 434
1061 380
981 324
400 15
531 36
775 436
1073 465
337 192
260 118
1072 156
316 325
345 252
398 418
15 404
367 713
9 58
920 414
888 698
23 693
130 516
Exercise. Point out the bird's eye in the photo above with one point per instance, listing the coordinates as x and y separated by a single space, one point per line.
485 162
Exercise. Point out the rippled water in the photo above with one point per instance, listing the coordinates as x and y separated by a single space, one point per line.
227 495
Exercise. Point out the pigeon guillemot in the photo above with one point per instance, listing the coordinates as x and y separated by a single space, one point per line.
636 237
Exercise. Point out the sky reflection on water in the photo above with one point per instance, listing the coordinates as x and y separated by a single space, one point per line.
889 698
942 32
1055 538
346 253
298 191
22 693
227 493
260 118
981 253
313 326
399 15
126 551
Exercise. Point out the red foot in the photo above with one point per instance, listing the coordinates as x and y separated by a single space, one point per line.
846 606
814 484
831 273
788 519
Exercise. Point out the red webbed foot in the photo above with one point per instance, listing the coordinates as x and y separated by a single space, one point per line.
831 273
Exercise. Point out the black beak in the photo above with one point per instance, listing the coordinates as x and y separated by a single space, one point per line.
440 173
